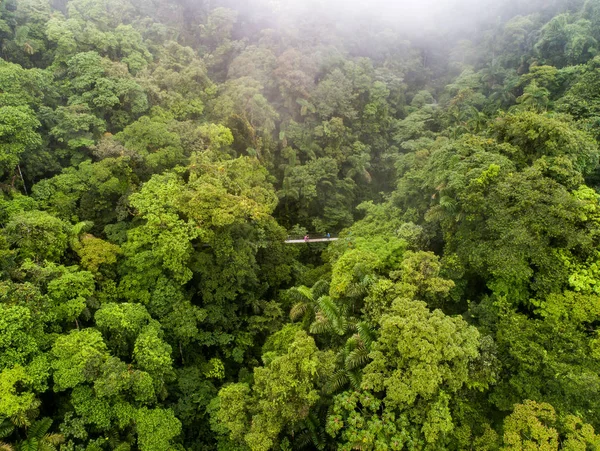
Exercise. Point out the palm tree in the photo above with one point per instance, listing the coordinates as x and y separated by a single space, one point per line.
318 309
361 164
492 74
312 432
38 438
535 98
352 358
476 123
329 317
502 95
305 299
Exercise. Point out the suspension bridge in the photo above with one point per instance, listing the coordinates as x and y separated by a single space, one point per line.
312 238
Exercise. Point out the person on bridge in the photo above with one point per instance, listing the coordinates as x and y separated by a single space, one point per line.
328 236
306 238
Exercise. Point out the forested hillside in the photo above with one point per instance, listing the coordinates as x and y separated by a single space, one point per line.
155 155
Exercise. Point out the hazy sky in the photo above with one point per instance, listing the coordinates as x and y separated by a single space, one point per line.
412 15
414 20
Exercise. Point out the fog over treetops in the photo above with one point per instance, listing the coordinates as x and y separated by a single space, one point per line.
413 18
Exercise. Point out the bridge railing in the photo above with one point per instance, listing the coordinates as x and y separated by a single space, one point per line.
311 236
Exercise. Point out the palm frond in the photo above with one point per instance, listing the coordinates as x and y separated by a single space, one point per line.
333 313
20 420
320 325
351 321
337 382
320 288
6 447
300 294
298 310
357 359
302 440
355 379
39 428
44 446
351 344
366 334
315 429
356 290
31 444
54 439
6 428
24 417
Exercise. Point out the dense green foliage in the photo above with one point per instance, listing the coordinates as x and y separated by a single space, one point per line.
154 155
